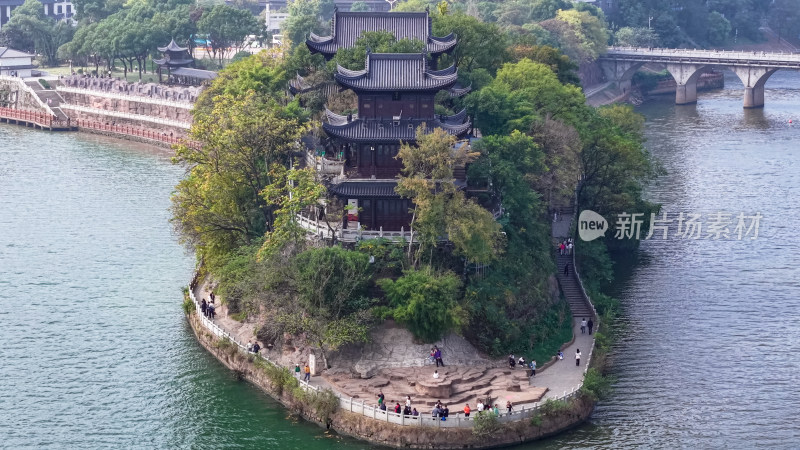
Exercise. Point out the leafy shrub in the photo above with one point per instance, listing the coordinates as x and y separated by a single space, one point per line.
389 256
188 304
553 407
425 302
44 83
595 385
485 424
240 55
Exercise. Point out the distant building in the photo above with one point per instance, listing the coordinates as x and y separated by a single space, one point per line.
57 9
15 63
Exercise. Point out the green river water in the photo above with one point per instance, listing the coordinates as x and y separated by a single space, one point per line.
95 351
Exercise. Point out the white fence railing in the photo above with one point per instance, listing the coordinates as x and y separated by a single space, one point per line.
321 229
123 115
129 97
324 165
454 420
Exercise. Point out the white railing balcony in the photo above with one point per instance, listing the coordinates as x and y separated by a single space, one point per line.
321 229
325 166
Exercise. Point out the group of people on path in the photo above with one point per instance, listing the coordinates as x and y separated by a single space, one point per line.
566 246
439 411
208 309
586 325
306 372
253 347
406 410
512 363
436 356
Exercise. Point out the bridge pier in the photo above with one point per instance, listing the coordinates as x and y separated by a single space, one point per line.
686 75
620 72
754 78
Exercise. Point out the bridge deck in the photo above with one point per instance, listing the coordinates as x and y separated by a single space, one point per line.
713 57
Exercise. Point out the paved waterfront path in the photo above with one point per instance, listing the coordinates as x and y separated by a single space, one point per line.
564 376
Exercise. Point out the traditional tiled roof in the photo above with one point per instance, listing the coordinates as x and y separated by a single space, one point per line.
396 72
347 27
390 131
459 91
172 47
6 52
372 188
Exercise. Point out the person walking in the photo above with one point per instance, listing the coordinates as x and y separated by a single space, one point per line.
297 371
590 324
307 371
533 368
566 269
508 406
577 357
381 398
583 326
408 400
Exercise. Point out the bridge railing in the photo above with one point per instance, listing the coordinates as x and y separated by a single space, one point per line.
751 56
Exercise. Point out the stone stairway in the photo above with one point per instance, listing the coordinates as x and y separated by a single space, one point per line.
50 97
571 289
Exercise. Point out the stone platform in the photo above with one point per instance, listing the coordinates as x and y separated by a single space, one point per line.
455 387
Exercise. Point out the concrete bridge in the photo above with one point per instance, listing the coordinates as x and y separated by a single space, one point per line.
686 66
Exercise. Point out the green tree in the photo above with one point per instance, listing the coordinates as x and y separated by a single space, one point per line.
31 30
521 93
413 5
581 35
425 302
378 42
480 45
719 28
635 37
292 192
784 17
96 10
359 6
227 28
303 19
427 179
219 206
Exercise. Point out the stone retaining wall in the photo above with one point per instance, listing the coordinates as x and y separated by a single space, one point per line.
132 105
393 435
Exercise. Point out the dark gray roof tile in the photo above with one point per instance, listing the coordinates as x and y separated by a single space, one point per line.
347 27
396 72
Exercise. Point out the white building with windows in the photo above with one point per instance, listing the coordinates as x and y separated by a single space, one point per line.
57 9
15 63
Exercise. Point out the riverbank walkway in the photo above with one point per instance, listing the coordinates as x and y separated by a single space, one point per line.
558 379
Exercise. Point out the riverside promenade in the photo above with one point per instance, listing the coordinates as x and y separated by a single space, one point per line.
555 379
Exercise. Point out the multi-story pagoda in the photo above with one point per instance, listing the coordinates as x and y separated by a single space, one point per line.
347 27
395 96
173 57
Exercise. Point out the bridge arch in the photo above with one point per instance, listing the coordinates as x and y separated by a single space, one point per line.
753 78
753 68
686 76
